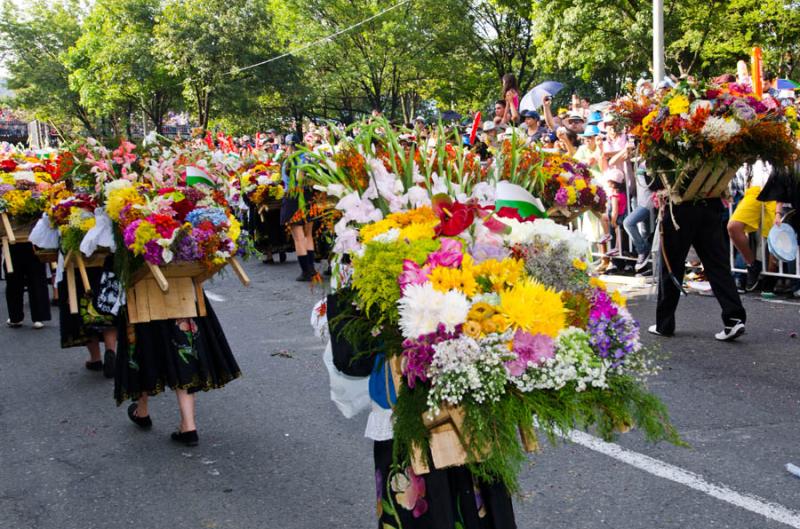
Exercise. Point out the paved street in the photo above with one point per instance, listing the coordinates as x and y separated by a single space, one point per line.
275 452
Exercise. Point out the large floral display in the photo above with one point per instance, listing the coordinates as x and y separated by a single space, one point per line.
697 135
489 322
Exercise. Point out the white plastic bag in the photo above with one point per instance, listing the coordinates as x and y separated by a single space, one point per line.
43 235
102 234
350 394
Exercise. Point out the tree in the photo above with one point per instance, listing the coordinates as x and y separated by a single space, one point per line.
113 65
205 42
33 48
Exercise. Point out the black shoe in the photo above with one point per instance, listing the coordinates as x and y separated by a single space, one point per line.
94 366
282 257
740 284
109 362
753 276
186 438
144 423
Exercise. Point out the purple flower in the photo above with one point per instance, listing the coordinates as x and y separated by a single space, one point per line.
152 253
614 337
531 350
130 233
5 188
419 353
562 197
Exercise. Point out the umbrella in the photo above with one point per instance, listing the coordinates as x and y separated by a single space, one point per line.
786 84
451 115
533 99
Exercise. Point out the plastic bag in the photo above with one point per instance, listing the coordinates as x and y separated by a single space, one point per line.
349 394
43 235
102 234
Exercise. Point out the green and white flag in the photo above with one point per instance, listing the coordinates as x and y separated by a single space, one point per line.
196 175
508 195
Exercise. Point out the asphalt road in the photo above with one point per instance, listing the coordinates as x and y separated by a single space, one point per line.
275 452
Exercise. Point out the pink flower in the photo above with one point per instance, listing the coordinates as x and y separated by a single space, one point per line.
413 274
531 350
410 492
450 254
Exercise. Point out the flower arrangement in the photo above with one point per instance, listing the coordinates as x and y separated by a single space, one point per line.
698 134
568 187
497 318
262 184
174 224
24 183
72 215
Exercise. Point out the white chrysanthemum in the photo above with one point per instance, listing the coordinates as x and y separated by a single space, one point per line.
419 310
114 185
720 130
454 309
387 237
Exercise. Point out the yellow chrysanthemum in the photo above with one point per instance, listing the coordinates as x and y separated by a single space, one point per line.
579 264
415 232
145 233
119 198
445 279
534 308
423 215
472 329
500 273
619 299
596 283
370 231
236 228
572 195
580 184
678 105
648 119
481 311
497 323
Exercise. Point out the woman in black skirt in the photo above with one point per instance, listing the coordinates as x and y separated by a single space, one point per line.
91 324
186 355
28 273
300 222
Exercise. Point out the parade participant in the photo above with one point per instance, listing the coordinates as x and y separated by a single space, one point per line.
301 222
697 224
29 273
90 324
186 355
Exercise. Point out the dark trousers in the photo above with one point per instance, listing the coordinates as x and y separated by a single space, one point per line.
700 226
28 272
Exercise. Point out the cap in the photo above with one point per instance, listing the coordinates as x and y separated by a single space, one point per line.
489 126
531 114
420 119
549 137
574 116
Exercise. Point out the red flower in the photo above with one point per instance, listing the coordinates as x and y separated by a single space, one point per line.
164 224
8 166
454 217
512 213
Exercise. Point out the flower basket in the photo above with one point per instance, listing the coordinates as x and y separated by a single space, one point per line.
708 180
447 441
76 260
16 230
173 291
564 216
46 255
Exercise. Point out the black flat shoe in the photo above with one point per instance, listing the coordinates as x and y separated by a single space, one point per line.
94 366
109 361
186 438
142 422
282 257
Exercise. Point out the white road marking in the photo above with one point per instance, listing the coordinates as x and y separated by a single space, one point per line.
215 297
765 508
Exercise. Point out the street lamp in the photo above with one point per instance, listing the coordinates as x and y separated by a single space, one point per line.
658 41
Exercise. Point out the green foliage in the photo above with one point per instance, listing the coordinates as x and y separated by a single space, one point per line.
491 430
376 274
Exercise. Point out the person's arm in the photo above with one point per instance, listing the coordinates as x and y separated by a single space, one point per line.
614 210
564 137
603 158
511 106
778 213
547 102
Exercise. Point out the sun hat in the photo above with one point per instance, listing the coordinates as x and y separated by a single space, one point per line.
782 242
590 132
489 126
575 116
614 175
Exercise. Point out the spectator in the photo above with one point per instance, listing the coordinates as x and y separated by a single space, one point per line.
613 218
589 153
533 131
638 217
499 111
615 146
511 97
575 122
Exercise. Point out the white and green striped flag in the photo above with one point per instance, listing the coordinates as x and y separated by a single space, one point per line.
197 175
508 195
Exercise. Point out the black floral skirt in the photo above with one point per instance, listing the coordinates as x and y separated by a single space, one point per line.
191 354
444 499
89 323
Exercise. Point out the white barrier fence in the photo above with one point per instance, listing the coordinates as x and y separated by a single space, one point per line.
785 270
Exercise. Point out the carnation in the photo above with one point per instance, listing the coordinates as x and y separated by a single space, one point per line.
720 130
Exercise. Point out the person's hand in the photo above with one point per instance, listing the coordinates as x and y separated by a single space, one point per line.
778 218
547 101
561 133
509 97
656 201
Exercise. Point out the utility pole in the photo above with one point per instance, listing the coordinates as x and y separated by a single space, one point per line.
658 41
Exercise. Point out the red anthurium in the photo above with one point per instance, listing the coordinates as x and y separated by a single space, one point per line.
454 217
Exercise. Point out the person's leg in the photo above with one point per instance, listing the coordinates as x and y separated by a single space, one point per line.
186 406
675 247
308 233
710 246
38 296
15 292
94 350
141 406
739 238
110 339
631 225
299 239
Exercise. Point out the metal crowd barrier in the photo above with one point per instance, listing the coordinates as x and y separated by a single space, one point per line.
763 255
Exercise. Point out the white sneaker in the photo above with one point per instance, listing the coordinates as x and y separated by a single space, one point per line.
729 334
38 325
654 330
13 324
